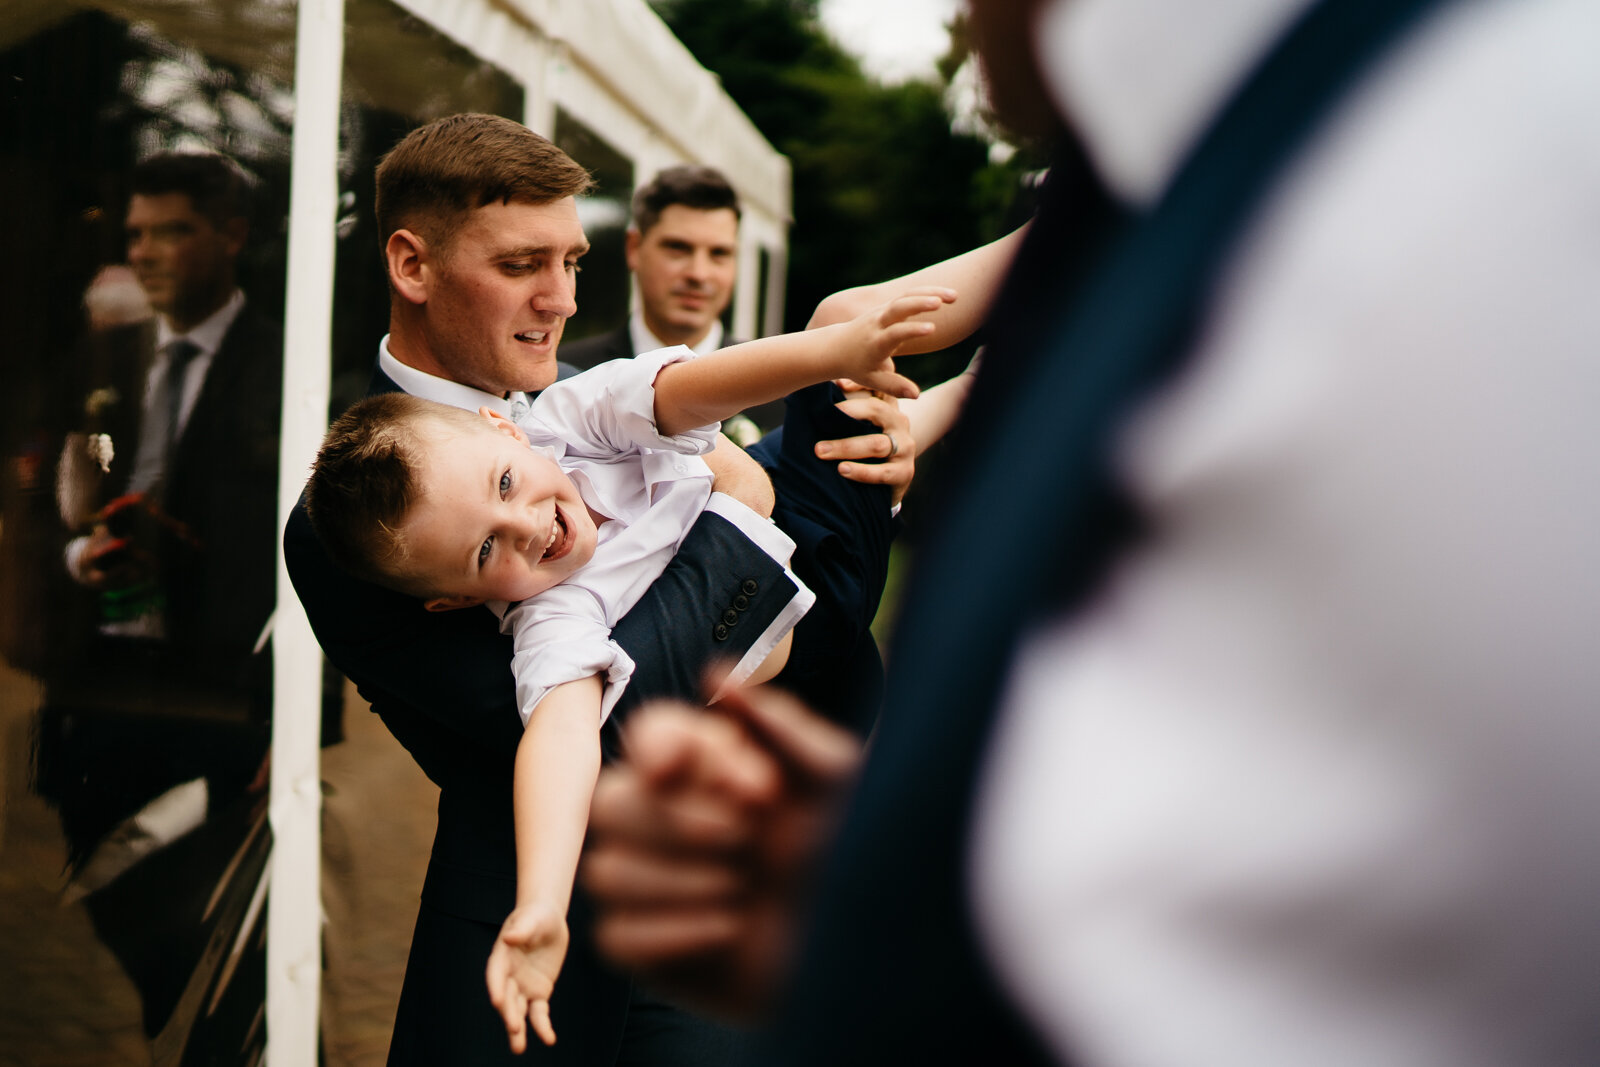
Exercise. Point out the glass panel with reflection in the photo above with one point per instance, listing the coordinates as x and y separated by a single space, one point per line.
146 184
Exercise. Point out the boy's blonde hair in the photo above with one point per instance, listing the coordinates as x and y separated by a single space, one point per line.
364 483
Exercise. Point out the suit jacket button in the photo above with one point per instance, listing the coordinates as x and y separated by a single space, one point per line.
720 632
741 602
749 586
730 617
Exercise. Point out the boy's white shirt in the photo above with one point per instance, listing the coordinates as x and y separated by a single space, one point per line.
600 427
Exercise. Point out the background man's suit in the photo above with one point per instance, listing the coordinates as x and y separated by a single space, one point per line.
597 348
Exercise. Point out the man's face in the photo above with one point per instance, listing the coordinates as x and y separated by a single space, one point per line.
498 296
495 520
184 261
686 266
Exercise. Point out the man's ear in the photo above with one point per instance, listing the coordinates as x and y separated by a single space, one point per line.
630 248
406 255
451 603
235 231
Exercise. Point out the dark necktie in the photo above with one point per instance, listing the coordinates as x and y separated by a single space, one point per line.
893 971
180 353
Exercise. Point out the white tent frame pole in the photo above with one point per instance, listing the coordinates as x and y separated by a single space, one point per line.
294 914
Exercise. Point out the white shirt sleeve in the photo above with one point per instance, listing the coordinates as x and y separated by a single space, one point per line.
611 408
561 636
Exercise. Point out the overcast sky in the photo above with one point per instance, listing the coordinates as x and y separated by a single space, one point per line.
896 39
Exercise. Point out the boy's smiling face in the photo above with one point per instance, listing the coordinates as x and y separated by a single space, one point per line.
495 520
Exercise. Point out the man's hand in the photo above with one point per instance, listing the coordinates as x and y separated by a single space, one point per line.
108 561
701 843
523 966
894 446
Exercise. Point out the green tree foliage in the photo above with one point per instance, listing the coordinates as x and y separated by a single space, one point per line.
882 185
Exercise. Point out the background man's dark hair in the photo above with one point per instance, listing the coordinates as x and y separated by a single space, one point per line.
702 188
441 172
214 184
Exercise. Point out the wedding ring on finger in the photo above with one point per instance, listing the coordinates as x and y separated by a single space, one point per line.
894 446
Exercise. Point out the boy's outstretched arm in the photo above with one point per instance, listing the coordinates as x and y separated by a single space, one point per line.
558 760
716 386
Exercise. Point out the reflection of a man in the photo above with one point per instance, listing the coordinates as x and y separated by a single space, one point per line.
154 727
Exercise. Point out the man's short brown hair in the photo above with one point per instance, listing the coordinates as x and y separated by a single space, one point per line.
214 184
364 483
441 172
701 188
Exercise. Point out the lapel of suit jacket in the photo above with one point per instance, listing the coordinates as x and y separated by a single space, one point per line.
1030 529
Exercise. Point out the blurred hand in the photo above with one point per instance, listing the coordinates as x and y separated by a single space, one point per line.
702 842
109 561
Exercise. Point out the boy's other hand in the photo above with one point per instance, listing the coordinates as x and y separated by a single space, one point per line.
881 332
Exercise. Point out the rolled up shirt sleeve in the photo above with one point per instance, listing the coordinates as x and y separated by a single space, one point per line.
611 408
558 637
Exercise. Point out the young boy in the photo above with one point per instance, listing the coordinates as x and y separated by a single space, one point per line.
562 537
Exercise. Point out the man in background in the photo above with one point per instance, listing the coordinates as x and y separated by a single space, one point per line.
683 250
154 725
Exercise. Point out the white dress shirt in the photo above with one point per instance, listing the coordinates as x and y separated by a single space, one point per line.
646 341
443 390
1313 781
206 337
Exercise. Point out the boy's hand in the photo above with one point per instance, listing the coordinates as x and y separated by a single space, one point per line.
880 333
522 972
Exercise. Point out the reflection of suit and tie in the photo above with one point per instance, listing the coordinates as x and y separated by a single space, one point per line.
156 687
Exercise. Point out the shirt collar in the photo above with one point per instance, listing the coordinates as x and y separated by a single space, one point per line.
1140 80
208 333
646 341
443 390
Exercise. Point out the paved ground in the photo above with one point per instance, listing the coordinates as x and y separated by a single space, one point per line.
65 1002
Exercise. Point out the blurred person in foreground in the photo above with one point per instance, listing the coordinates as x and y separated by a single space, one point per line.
1287 757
